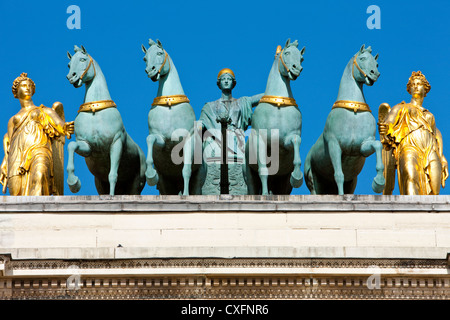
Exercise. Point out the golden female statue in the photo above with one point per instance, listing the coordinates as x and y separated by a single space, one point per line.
413 144
33 161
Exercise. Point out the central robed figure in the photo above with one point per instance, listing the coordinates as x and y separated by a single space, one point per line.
236 114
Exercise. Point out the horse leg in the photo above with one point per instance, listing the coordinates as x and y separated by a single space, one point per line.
335 152
260 147
368 147
296 179
115 153
151 174
83 149
188 155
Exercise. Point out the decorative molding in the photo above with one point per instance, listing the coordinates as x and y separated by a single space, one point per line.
332 287
110 285
253 263
4 260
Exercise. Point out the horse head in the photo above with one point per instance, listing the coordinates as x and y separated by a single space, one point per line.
365 66
156 60
290 59
81 67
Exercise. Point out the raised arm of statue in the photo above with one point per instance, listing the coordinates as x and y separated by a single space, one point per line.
390 119
387 117
58 126
383 113
255 99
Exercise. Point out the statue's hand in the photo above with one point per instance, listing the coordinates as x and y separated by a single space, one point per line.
69 128
383 128
383 113
223 117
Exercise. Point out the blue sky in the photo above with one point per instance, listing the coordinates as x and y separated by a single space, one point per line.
202 37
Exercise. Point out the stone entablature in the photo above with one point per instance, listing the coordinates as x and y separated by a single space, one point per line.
226 247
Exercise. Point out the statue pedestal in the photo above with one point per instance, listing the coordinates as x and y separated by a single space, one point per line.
302 247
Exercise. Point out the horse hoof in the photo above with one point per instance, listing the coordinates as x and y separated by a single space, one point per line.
378 186
152 178
74 184
296 182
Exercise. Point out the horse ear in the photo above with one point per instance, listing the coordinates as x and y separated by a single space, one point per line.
143 49
69 55
159 43
287 43
362 48
76 48
376 57
302 51
295 44
84 49
151 42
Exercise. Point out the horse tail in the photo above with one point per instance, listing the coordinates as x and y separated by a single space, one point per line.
142 166
309 177
139 177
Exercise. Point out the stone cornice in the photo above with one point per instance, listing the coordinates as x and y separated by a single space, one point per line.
226 203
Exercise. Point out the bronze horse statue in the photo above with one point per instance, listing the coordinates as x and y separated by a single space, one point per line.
115 160
170 119
276 129
335 160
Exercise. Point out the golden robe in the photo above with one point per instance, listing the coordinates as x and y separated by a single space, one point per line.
413 137
29 159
